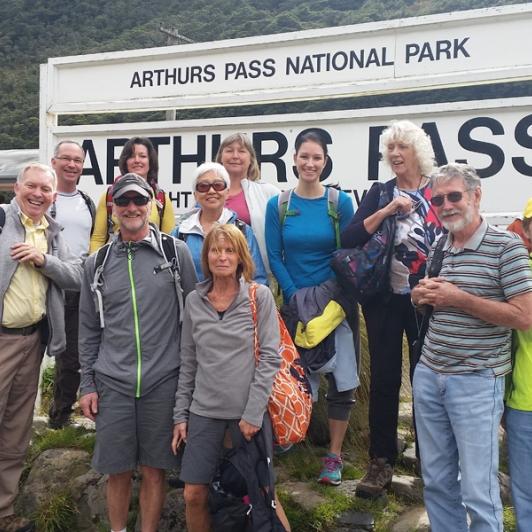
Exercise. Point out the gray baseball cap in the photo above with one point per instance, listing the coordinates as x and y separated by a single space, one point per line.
131 183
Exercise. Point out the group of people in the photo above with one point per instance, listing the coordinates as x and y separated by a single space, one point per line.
165 339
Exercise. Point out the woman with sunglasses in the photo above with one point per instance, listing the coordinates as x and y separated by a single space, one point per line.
408 151
138 157
211 186
247 195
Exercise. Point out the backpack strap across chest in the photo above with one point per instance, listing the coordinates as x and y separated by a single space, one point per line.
333 196
169 250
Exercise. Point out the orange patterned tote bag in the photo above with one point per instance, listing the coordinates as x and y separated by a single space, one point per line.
290 403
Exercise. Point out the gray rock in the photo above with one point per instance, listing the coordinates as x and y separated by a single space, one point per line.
413 520
407 487
52 472
409 459
89 491
302 494
405 412
356 520
348 487
173 514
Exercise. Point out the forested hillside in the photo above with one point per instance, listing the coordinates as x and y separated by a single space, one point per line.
31 31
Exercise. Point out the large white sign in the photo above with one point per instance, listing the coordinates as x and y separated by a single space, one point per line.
495 136
449 49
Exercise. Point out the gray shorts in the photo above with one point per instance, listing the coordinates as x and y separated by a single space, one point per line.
204 447
131 432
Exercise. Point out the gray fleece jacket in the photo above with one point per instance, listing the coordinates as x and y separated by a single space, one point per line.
139 346
62 269
218 378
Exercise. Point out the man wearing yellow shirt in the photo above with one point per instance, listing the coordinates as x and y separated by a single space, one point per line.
35 265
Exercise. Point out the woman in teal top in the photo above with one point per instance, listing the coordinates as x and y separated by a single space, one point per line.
519 415
300 248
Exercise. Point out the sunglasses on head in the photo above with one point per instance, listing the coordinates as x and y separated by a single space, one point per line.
453 197
205 186
123 201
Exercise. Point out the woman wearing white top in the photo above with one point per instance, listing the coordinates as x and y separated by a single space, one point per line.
248 196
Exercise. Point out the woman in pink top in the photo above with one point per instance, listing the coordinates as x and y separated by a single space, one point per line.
248 196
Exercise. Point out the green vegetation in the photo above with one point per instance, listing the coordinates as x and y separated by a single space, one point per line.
324 516
31 31
509 519
68 437
56 514
47 388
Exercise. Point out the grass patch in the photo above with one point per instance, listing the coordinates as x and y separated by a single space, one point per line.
300 463
47 388
68 437
508 518
323 517
385 511
56 514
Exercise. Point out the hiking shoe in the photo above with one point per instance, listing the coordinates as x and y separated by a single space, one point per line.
331 472
59 422
376 480
14 523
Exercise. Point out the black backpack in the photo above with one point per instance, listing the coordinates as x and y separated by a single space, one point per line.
242 495
363 271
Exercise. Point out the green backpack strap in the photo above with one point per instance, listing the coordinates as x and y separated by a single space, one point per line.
333 195
283 201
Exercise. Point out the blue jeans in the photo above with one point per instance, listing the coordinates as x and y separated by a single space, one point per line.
519 437
457 419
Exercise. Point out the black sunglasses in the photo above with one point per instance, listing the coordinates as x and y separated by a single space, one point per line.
205 186
453 197
123 201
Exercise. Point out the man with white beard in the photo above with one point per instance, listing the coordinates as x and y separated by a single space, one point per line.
484 289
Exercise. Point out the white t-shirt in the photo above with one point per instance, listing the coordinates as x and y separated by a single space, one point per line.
73 214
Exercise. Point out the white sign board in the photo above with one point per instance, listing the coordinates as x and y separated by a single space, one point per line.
495 136
460 48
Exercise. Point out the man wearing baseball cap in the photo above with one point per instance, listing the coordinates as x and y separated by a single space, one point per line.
129 352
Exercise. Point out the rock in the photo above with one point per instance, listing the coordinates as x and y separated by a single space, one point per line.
404 433
348 487
414 520
353 520
407 487
405 413
52 472
173 514
40 423
302 494
89 493
409 458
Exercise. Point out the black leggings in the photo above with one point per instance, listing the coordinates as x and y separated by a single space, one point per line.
386 320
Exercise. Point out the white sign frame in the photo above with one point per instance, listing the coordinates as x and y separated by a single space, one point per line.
498 196
443 50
